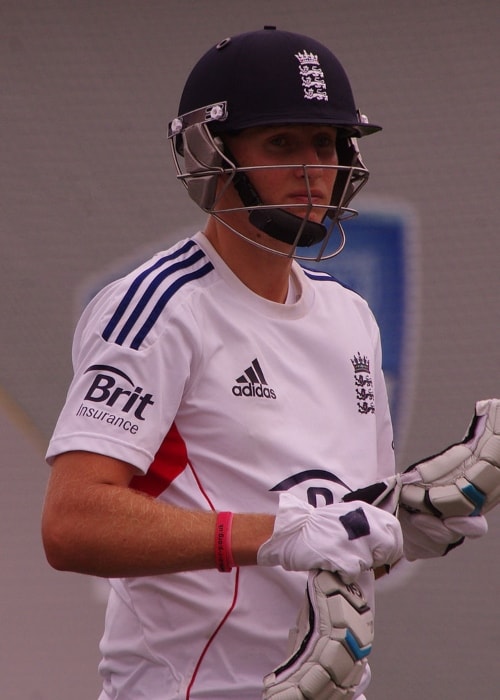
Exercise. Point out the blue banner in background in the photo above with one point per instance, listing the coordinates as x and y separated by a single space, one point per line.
379 262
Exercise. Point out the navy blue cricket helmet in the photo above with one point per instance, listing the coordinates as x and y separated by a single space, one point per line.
259 78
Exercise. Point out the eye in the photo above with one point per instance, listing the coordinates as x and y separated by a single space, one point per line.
325 143
279 141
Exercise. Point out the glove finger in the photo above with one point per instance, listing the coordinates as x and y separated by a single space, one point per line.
450 529
473 526
417 545
434 528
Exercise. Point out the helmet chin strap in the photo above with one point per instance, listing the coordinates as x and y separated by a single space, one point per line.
284 226
276 222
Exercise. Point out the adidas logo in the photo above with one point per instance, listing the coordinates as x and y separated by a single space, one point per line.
253 383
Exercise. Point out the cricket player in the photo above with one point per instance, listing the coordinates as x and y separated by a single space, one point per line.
226 402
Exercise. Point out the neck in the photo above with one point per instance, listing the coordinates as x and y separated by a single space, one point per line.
265 273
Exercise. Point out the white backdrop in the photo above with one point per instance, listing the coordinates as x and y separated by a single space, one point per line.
85 178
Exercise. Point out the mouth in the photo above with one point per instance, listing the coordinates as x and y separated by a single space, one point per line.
305 197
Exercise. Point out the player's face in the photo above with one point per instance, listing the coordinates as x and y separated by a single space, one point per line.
295 146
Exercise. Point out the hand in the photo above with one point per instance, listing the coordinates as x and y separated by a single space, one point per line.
347 538
440 500
464 479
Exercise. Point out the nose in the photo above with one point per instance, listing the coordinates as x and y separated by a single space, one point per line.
311 156
310 170
310 164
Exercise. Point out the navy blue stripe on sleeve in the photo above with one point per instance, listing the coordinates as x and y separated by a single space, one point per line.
162 280
163 300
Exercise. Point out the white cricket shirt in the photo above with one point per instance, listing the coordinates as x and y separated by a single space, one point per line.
222 399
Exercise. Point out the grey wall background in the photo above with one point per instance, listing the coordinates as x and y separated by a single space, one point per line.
86 91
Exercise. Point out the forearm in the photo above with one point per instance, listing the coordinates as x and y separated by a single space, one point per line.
110 530
138 536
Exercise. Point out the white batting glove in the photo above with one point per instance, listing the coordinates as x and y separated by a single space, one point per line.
444 505
443 498
465 478
328 647
347 538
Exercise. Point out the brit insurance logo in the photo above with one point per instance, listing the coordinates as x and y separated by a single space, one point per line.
114 398
253 383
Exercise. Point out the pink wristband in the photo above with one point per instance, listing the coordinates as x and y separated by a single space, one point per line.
223 554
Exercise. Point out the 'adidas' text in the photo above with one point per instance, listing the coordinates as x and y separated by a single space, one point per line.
253 390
